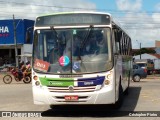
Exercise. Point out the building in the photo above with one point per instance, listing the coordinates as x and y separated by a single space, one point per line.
154 57
157 44
7 42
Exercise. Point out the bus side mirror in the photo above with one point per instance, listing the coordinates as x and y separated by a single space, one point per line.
29 34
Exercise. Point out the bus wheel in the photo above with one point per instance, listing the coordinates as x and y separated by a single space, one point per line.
52 106
55 107
119 103
126 92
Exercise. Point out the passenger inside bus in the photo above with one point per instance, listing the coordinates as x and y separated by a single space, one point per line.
67 48
56 47
93 44
102 42
52 55
76 47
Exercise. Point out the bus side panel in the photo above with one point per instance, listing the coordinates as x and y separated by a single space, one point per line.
118 74
125 72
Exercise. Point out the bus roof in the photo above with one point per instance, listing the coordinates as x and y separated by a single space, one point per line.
74 12
72 18
115 22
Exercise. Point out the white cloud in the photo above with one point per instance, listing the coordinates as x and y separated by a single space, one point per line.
156 17
33 8
129 5
157 7
142 27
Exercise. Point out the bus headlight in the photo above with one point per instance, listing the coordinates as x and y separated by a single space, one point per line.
37 83
108 78
35 77
106 82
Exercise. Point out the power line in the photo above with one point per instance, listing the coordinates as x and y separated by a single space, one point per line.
79 8
4 2
139 19
19 13
50 6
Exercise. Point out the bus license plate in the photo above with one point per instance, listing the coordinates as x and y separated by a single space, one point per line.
71 98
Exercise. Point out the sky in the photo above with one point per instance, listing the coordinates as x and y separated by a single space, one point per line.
140 18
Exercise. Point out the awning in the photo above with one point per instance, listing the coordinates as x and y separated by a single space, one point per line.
25 55
10 46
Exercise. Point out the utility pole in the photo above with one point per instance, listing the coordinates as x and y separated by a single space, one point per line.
140 49
15 42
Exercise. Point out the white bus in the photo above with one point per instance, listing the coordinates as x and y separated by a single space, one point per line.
80 58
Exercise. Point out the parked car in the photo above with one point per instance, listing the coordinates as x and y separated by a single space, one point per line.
147 64
138 73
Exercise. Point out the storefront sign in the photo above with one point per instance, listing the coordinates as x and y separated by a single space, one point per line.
4 31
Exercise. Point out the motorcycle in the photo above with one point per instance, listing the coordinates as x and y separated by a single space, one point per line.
18 76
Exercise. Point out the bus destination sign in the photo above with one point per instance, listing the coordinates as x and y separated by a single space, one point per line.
73 19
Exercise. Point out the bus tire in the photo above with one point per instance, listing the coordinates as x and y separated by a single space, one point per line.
52 106
126 92
119 103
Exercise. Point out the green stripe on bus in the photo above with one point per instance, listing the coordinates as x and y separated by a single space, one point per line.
54 79
62 82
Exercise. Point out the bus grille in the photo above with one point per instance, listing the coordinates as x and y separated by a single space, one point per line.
74 89
79 85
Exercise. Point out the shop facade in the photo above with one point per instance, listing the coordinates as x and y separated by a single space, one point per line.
8 41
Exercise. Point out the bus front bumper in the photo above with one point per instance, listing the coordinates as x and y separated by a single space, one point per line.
105 95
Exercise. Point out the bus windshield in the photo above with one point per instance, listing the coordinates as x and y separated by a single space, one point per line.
72 51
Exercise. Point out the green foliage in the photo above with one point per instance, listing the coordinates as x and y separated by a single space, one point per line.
144 50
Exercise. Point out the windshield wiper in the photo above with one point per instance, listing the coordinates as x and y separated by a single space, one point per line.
56 34
86 37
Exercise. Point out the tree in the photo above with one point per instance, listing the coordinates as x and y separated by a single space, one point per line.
144 50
